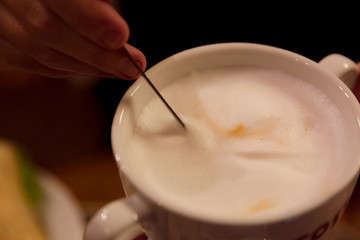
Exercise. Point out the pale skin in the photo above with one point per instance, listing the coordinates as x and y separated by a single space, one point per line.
65 38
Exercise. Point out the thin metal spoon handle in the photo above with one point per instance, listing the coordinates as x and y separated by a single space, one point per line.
152 86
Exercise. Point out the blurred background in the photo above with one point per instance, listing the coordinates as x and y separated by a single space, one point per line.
64 124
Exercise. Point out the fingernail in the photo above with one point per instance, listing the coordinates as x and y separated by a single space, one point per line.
128 69
111 38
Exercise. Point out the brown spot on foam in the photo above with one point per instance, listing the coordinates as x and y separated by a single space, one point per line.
262 128
261 205
239 131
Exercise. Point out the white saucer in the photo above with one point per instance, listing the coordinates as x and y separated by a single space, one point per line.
63 218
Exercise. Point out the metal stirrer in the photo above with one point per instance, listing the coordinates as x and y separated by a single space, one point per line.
152 86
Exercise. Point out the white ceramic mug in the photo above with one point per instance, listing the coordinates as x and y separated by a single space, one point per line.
122 218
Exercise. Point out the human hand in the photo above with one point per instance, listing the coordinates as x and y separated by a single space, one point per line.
62 38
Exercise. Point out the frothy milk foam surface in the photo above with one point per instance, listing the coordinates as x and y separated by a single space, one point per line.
259 143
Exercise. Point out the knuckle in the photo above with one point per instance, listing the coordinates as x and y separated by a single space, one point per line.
45 24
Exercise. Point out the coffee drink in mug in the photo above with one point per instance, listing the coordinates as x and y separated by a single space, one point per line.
264 146
259 144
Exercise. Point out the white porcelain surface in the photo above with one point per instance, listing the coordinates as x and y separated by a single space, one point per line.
63 218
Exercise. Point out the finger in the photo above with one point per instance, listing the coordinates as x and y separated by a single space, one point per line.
94 19
53 37
13 59
41 53
138 57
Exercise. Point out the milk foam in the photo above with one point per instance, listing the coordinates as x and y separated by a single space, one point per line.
258 143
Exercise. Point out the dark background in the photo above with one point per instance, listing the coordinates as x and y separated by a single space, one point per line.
310 29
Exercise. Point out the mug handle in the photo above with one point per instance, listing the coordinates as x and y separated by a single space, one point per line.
117 219
343 67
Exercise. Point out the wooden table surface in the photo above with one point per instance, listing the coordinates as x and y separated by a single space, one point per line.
61 124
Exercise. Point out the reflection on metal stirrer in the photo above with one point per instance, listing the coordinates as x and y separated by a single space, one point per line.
152 86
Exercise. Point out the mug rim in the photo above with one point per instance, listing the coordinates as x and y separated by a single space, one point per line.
249 47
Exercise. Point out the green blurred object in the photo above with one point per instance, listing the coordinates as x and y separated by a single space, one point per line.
29 178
